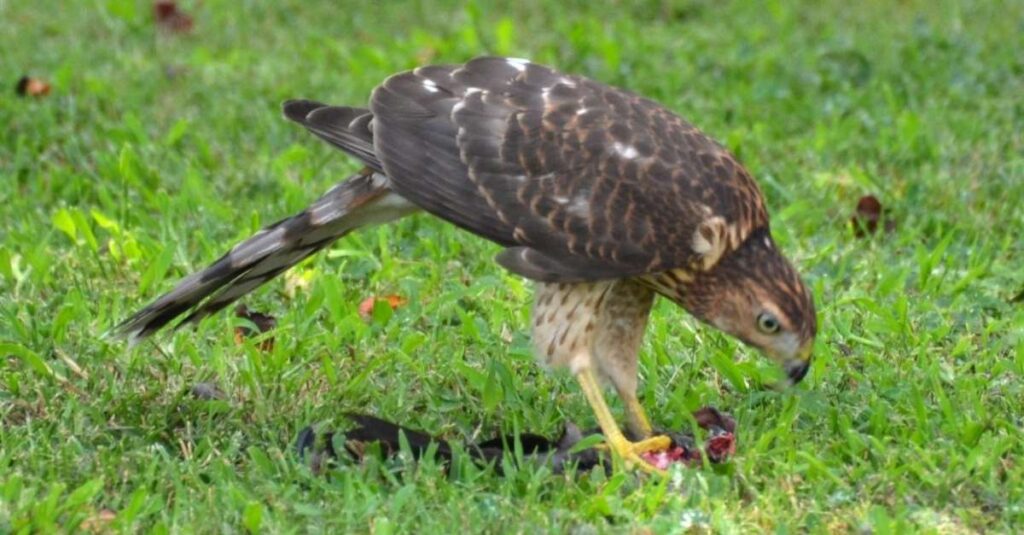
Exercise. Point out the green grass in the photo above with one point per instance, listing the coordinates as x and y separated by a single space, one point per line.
156 152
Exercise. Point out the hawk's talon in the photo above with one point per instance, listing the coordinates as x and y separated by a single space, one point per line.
629 451
658 443
632 452
625 447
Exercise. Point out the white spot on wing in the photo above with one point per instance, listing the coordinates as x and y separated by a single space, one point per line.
430 86
580 206
768 242
626 151
457 108
581 111
519 63
560 200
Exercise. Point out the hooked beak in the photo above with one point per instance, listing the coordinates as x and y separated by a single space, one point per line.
796 370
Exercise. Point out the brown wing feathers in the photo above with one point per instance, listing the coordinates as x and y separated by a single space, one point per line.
595 181
578 180
344 127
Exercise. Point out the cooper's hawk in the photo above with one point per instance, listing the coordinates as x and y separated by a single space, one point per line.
604 198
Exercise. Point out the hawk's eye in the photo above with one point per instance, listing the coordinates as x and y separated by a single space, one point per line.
767 323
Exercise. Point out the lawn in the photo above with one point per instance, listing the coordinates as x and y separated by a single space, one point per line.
156 150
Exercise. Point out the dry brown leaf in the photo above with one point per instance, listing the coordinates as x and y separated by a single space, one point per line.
264 323
868 215
366 307
32 87
170 18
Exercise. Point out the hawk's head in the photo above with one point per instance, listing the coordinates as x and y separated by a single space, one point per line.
755 294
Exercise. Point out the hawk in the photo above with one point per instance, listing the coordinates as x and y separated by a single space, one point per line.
605 199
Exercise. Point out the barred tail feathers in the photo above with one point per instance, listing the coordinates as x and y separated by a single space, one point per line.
362 200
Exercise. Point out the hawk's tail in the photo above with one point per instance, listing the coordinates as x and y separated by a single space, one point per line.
361 200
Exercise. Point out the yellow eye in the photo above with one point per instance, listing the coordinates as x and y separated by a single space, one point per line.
767 323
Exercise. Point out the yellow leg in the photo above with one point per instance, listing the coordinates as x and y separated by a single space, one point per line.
636 418
628 451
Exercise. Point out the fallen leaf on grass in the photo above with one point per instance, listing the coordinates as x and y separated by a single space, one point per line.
263 322
32 87
170 18
366 307
868 216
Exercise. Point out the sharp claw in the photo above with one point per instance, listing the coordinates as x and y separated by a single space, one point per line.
658 443
631 452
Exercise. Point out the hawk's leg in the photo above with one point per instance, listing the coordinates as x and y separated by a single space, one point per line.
628 451
636 417
622 320
596 329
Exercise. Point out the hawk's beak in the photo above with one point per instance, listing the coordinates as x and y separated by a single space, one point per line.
796 370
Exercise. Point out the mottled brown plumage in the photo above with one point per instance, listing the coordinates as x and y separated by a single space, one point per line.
581 181
603 197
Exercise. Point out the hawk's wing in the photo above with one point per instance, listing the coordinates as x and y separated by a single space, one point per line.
579 180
